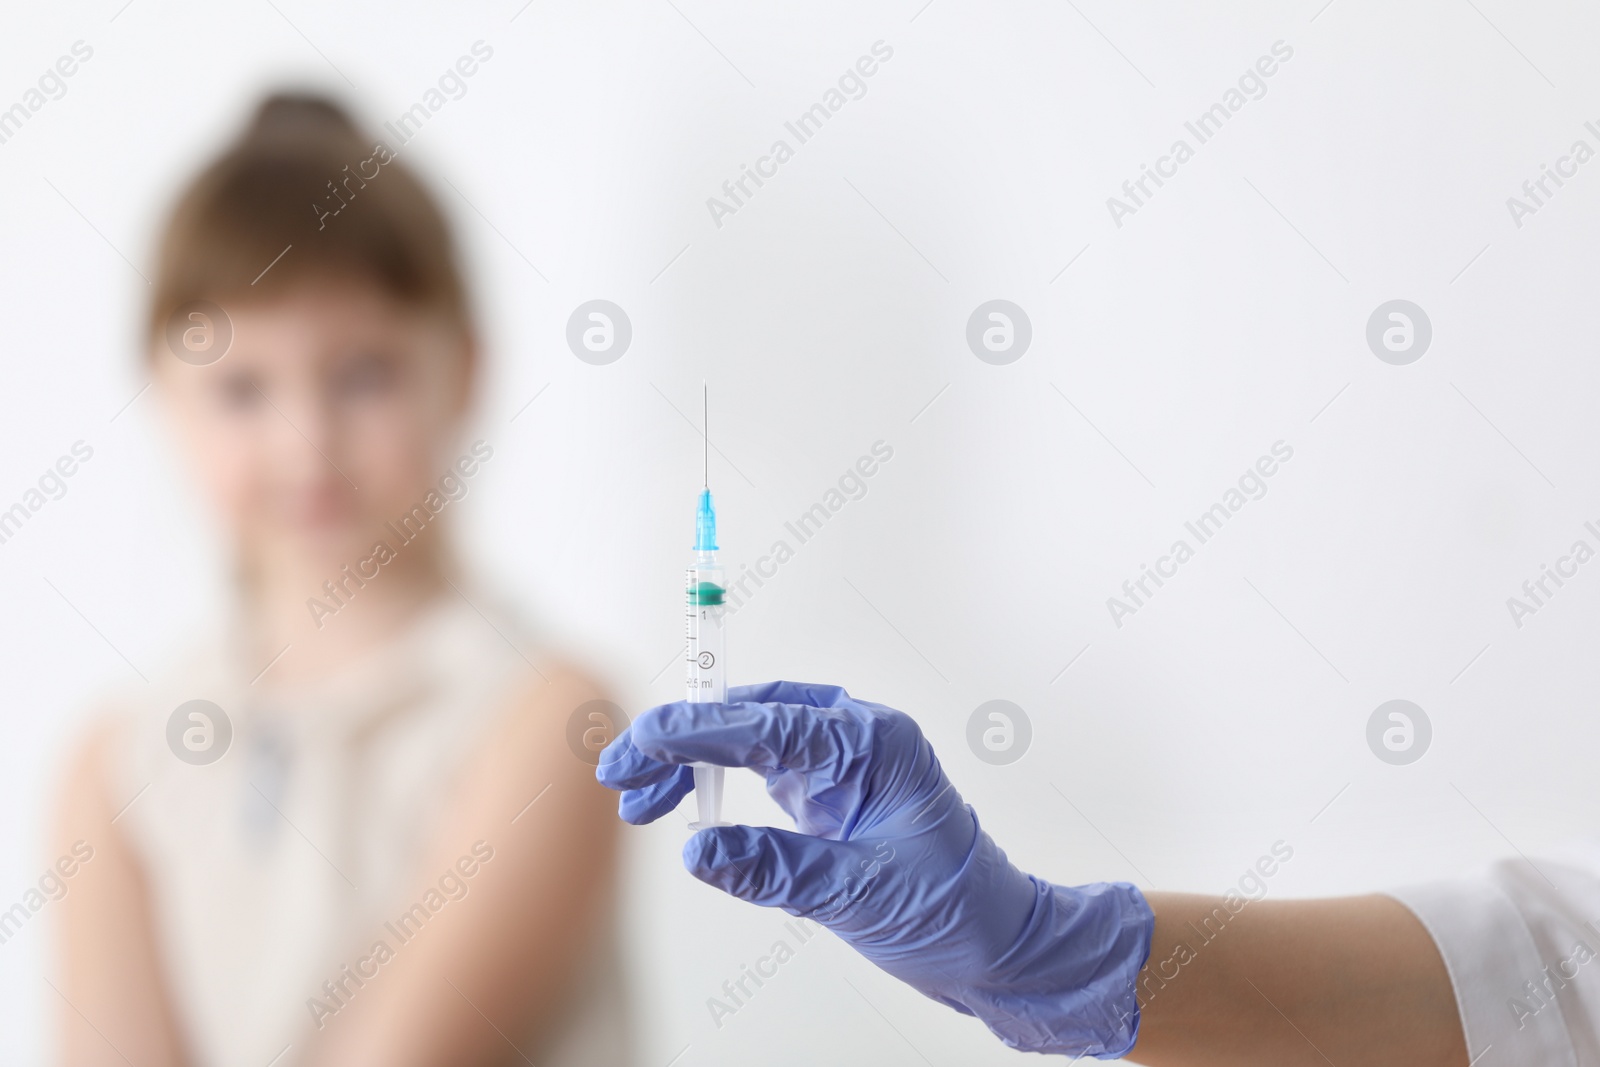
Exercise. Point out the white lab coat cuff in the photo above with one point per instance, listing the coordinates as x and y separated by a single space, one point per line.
1489 952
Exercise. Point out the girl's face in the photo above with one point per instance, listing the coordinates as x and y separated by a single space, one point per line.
333 411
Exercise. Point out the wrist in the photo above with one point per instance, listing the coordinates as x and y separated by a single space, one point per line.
1067 984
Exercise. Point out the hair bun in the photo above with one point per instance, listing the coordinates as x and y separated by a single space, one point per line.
300 113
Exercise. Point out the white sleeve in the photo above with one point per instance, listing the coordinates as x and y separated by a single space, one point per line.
1521 945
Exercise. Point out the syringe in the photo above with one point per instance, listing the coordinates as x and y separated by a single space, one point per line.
704 615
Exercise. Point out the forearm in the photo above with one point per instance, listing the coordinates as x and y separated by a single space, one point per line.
1348 980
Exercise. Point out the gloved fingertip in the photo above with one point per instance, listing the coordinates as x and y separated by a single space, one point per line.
636 809
611 766
702 851
623 766
648 803
770 867
712 854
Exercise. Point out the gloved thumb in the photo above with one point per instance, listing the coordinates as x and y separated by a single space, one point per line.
812 877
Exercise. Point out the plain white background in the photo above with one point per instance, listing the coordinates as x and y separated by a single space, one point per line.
1227 314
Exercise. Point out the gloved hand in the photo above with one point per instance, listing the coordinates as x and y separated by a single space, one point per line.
890 859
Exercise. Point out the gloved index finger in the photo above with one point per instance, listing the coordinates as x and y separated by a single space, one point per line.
814 694
761 736
623 766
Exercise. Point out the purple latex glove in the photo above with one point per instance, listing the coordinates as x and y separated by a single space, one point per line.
890 859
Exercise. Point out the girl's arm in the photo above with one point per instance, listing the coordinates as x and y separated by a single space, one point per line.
493 967
110 997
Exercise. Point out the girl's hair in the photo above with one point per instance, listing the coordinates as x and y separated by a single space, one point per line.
302 177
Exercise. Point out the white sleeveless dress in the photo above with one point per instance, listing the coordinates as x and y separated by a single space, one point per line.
271 868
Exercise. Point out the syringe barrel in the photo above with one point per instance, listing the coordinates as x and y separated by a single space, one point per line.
706 680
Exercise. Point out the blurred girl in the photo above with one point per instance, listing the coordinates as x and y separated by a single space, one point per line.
373 843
